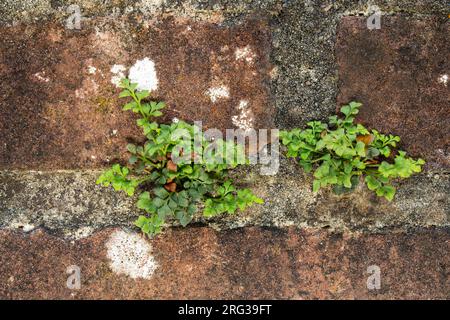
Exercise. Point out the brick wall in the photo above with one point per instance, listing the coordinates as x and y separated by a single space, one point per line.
287 62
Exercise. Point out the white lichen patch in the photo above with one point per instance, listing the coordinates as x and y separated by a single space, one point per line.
92 69
215 93
27 227
82 232
100 34
89 87
150 6
40 76
22 223
144 74
273 74
246 54
443 79
130 254
118 74
245 119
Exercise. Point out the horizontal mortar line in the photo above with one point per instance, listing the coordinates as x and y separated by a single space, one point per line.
349 232
46 171
100 170
201 14
61 16
74 201
390 14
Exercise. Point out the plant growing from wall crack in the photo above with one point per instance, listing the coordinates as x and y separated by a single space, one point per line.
175 189
341 151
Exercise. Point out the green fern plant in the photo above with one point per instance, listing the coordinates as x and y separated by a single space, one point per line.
341 151
170 189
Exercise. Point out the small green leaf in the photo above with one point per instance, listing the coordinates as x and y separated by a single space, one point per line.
145 203
316 185
187 169
124 94
307 166
346 110
172 204
372 183
158 202
141 221
161 193
133 159
130 106
131 148
142 94
373 153
389 192
183 202
360 149
183 217
322 171
164 211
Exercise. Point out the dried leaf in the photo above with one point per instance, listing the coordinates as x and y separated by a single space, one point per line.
366 139
160 158
171 187
171 166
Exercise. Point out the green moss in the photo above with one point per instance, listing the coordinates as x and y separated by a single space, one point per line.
103 104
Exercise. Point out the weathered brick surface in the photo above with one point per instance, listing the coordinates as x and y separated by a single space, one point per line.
57 111
400 74
243 263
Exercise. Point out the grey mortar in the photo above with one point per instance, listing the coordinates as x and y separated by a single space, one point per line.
69 204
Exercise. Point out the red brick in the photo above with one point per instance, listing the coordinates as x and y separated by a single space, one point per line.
248 263
395 72
54 114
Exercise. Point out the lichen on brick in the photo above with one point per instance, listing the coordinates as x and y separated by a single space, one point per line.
131 255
